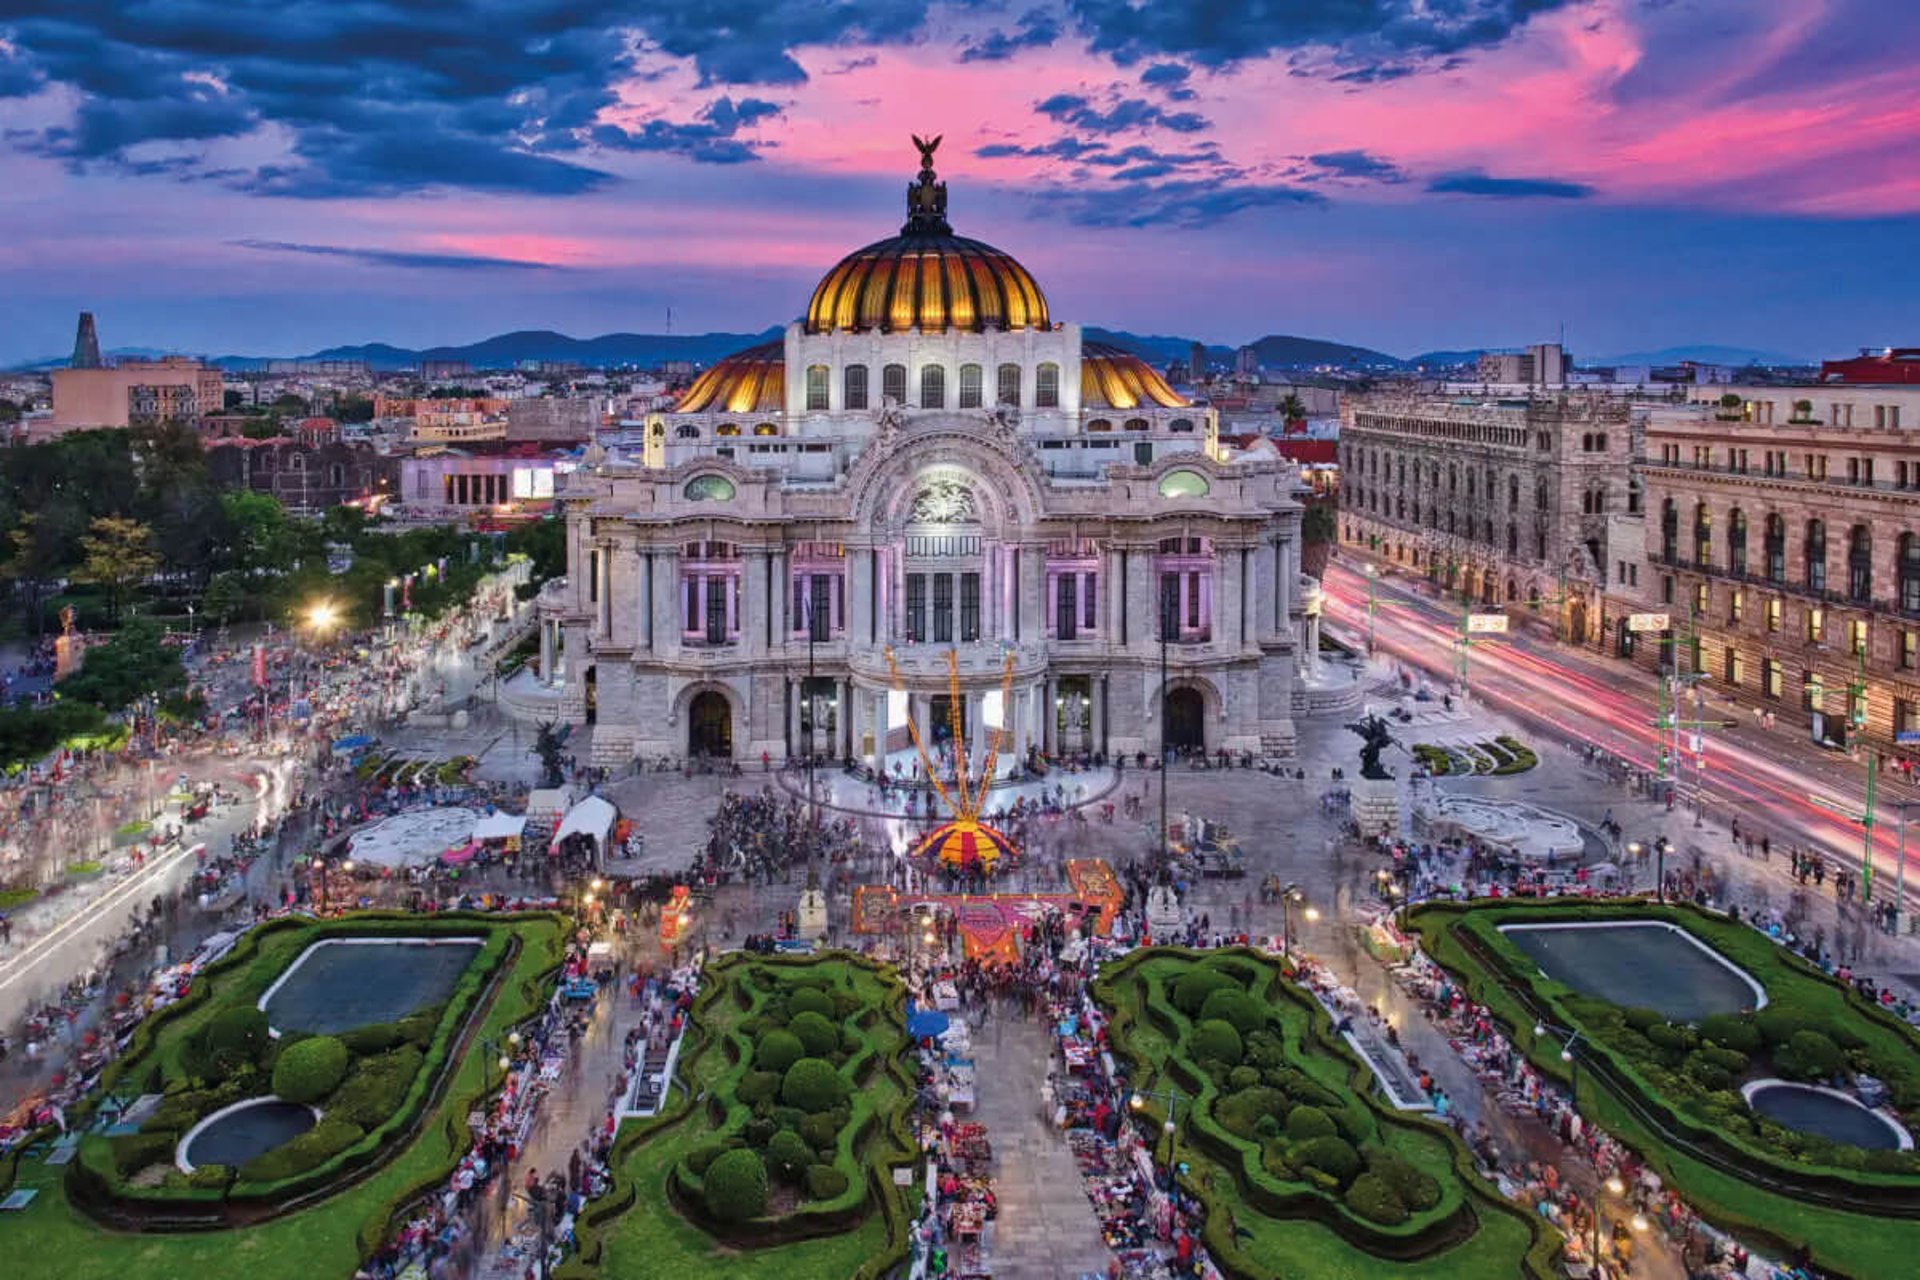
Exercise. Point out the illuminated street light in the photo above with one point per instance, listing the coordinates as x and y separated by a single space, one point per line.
322 615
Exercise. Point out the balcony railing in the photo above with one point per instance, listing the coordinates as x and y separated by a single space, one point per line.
1825 595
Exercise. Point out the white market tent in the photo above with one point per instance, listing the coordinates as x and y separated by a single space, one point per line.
549 802
416 836
593 816
499 826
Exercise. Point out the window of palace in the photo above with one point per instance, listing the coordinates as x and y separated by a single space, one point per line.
710 593
854 386
766 429
687 431
1009 388
1073 581
933 387
971 386
725 429
1099 424
1134 424
1183 483
817 577
1185 572
1046 386
709 488
1816 555
893 383
1183 425
816 387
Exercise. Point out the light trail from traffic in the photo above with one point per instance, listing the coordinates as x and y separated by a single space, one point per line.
1618 716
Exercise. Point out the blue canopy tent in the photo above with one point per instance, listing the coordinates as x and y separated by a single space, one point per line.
924 1024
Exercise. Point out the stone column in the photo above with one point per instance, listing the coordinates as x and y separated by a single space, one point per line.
1226 600
643 598
666 603
782 599
859 619
756 620
1097 717
1033 582
1143 594
546 651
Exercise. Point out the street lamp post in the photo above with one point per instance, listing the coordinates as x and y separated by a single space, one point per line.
1288 896
1660 847
1567 1053
1167 607
1173 1098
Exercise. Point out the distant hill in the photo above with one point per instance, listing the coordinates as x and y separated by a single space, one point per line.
506 350
1284 351
1705 353
1445 359
1155 349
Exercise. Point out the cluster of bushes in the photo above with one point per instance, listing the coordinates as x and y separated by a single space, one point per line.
361 1079
1700 1069
796 1094
1500 757
1510 755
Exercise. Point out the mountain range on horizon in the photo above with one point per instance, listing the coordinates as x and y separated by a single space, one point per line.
644 350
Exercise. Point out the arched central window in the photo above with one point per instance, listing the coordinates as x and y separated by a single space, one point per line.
1860 563
854 393
1909 573
1776 549
1702 535
971 389
1009 391
1816 554
1046 386
816 388
1737 541
1669 531
933 387
893 383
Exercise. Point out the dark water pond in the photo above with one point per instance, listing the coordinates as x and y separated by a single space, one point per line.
339 986
239 1136
1646 965
1837 1119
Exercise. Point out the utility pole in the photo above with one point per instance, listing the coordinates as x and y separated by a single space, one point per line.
1857 719
1169 604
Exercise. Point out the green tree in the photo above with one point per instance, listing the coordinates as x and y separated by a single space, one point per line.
353 409
289 406
9 411
1292 409
226 597
258 533
37 553
231 399
546 745
135 663
117 555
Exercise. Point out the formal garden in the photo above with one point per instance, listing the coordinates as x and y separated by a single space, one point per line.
1775 1098
311 1084
774 1155
1499 757
1277 1128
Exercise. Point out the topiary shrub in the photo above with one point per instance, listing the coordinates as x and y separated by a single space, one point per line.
820 1131
1374 1198
236 1036
817 1036
1777 1024
1416 1188
133 1152
824 1182
1243 1078
1641 1019
700 1157
308 1070
1809 1056
1190 992
735 1186
1234 1006
1305 1123
812 1085
373 1092
759 1086
788 1156
210 1177
1215 1040
1334 1157
810 1000
1241 1111
420 1026
377 1038
1731 1031
778 1050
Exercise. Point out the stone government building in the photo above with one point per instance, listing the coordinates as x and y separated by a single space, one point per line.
928 463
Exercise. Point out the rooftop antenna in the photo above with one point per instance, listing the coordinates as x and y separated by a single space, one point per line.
669 320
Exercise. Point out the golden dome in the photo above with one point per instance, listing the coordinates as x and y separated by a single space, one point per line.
926 277
1111 378
750 381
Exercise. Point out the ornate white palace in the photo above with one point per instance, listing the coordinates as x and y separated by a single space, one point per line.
927 464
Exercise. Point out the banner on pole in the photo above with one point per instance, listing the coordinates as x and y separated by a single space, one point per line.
259 666
1486 623
1649 621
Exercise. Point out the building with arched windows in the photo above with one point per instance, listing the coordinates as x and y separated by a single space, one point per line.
1783 542
1511 503
928 464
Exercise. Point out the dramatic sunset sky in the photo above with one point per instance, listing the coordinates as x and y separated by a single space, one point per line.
275 176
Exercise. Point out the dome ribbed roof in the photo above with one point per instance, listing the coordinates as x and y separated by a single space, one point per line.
750 381
1112 378
926 277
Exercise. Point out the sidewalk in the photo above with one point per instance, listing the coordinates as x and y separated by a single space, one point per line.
1046 1229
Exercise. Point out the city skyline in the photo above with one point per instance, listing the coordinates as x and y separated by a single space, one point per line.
1642 174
